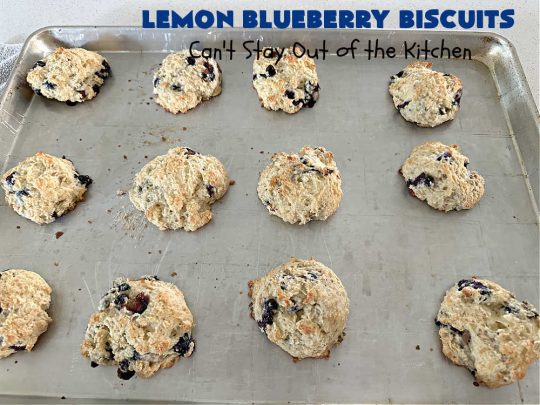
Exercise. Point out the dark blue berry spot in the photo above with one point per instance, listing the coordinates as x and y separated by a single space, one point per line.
271 70
403 105
38 63
211 190
190 60
269 307
10 180
444 155
83 179
422 179
183 345
289 94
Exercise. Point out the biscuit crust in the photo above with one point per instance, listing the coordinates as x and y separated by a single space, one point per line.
484 328
302 307
288 85
43 187
176 190
24 300
439 174
141 325
72 75
424 96
301 187
184 81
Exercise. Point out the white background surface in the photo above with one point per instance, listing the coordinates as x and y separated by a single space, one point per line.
19 18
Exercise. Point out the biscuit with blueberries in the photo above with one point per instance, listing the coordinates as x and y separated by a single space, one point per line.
288 84
301 187
424 96
43 187
72 75
484 328
177 190
439 174
141 326
302 307
185 79
24 300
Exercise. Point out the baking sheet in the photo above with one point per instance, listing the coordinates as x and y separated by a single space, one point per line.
394 254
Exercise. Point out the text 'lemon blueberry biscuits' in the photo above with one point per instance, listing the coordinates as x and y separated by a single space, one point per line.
301 187
71 75
185 79
44 187
484 328
424 96
302 307
24 300
141 326
287 84
176 190
439 174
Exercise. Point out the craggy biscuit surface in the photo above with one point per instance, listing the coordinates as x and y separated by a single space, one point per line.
141 325
439 174
485 328
24 300
424 96
302 307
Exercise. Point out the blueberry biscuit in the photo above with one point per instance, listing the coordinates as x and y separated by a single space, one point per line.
302 307
177 190
484 328
184 80
288 84
70 75
438 174
424 96
141 326
44 187
301 187
24 300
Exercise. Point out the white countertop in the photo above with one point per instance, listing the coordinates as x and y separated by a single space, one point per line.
19 18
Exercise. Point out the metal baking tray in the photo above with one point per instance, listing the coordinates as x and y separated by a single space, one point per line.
394 254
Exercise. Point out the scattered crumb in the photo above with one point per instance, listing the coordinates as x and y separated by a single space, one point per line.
475 384
18 227
232 182
241 292
184 129
55 264
417 347
125 157
120 193
174 274
89 221
261 152
58 234
431 349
